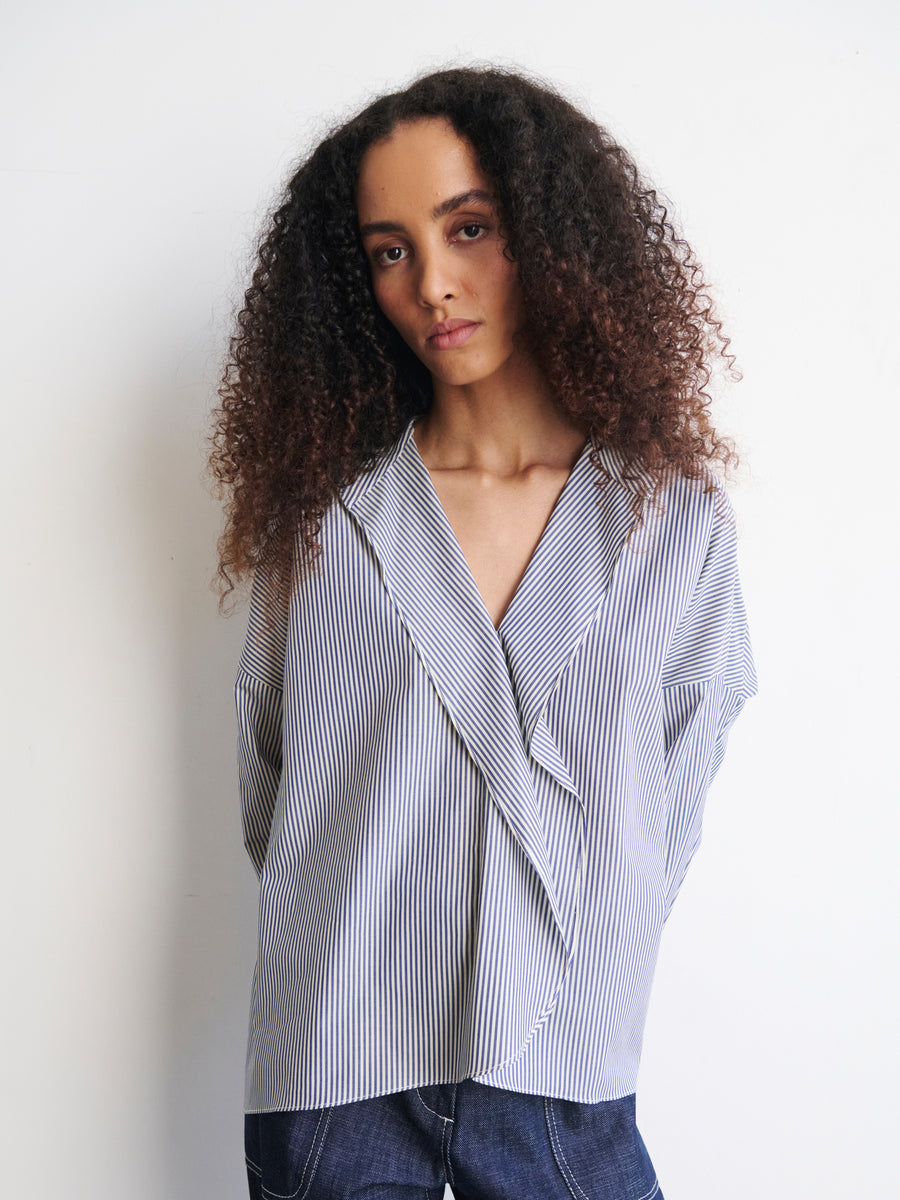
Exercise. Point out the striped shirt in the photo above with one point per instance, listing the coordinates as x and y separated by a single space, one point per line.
469 839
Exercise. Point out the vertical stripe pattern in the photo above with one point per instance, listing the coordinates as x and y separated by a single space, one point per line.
469 839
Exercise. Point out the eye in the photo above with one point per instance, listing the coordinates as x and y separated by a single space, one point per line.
390 255
471 231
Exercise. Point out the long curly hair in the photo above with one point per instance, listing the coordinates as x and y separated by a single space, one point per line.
318 384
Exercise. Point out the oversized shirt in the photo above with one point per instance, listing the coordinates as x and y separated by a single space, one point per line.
469 838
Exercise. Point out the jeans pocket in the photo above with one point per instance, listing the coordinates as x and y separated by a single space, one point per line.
598 1150
282 1152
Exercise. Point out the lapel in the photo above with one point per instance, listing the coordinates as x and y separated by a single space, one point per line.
495 684
562 593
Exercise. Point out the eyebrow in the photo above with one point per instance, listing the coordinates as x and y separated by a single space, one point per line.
474 195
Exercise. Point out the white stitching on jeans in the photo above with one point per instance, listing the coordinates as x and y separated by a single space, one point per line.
319 1151
557 1145
326 1113
649 1195
431 1110
445 1155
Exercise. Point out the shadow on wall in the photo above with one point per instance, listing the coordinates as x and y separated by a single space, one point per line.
212 910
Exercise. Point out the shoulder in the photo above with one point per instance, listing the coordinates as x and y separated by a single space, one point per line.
705 490
388 468
689 524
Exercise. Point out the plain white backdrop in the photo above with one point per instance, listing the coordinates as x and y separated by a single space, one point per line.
141 145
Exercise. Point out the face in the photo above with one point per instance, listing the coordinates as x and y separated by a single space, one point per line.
429 227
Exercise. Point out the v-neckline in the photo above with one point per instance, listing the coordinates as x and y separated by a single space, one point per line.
451 533
495 683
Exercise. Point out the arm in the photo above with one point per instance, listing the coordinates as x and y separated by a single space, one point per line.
708 675
258 699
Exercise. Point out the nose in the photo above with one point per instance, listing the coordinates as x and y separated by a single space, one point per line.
438 281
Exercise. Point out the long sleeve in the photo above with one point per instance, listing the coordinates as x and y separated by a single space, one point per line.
707 677
258 699
435 806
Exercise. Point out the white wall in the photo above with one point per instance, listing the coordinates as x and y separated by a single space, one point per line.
141 143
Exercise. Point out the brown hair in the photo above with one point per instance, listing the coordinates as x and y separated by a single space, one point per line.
317 383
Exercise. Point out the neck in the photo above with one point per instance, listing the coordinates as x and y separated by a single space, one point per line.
501 427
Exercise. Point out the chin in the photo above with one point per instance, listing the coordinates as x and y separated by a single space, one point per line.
465 374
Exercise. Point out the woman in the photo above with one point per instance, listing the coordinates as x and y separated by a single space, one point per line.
495 645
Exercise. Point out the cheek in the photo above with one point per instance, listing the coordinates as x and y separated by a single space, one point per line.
388 300
504 283
380 294
509 295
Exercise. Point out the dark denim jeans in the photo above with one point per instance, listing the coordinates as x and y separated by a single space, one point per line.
488 1144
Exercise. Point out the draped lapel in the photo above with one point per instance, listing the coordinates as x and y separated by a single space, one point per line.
494 685
562 593
432 589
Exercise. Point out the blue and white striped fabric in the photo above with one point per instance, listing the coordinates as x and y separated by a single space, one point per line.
469 839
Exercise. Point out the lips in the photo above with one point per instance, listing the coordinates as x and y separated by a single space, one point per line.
447 335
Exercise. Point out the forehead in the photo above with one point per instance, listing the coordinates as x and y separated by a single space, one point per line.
417 166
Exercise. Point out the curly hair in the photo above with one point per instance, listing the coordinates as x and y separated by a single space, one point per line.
318 384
